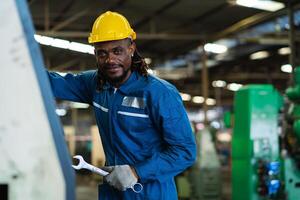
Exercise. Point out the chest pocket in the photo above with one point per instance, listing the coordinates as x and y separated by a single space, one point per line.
133 119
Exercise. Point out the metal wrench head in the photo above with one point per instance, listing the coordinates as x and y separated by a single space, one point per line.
81 163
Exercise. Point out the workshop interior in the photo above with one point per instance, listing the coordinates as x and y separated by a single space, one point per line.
236 64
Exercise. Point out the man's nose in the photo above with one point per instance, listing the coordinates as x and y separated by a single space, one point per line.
111 58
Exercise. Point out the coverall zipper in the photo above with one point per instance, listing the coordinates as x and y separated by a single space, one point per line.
110 117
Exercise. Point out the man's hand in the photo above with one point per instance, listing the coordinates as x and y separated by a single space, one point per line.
120 176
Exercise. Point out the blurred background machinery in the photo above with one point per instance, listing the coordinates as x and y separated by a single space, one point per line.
205 176
255 144
203 180
265 145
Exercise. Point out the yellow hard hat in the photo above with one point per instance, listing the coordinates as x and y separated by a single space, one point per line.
111 26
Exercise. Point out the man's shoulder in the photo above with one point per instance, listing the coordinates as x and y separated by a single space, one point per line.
161 92
160 85
89 77
88 73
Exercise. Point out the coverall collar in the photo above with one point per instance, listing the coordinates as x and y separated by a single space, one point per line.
133 78
124 88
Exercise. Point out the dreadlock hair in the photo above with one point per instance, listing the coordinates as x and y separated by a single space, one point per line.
137 64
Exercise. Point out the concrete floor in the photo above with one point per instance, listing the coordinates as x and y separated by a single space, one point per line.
87 187
226 183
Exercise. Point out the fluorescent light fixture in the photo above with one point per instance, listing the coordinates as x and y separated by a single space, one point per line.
79 105
64 44
259 55
284 51
185 97
287 68
234 86
79 47
210 101
219 83
267 5
44 40
148 61
198 99
59 43
215 48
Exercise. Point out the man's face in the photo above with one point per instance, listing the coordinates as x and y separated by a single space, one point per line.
114 60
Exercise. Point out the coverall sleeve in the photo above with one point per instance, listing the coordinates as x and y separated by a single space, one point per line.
73 87
179 147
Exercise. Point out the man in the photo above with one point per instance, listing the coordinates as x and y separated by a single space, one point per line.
143 125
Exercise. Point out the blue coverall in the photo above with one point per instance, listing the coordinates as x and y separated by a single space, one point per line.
143 124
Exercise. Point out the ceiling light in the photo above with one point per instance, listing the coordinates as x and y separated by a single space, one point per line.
198 99
234 86
287 26
185 97
224 137
61 112
59 43
267 5
218 83
210 101
284 51
215 124
64 44
148 61
80 47
44 39
259 55
215 48
287 68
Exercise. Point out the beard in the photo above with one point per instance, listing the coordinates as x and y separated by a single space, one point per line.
114 80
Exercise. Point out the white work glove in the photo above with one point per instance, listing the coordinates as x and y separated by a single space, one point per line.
120 176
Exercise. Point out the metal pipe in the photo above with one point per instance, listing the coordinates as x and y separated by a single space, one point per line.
204 75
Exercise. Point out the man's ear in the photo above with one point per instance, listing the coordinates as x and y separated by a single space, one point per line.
95 53
132 48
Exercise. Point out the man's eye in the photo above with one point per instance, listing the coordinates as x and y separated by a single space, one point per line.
118 51
101 54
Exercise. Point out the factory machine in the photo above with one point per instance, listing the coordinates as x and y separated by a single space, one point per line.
266 143
35 163
202 181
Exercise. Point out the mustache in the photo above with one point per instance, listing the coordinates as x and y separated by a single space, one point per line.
109 66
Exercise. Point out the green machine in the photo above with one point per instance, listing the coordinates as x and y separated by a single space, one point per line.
255 144
291 140
266 143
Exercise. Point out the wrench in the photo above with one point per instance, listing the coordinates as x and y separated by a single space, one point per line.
137 187
84 165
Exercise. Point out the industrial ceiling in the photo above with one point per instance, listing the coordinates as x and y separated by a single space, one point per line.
172 33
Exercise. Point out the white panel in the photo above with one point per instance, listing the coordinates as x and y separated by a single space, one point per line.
29 163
